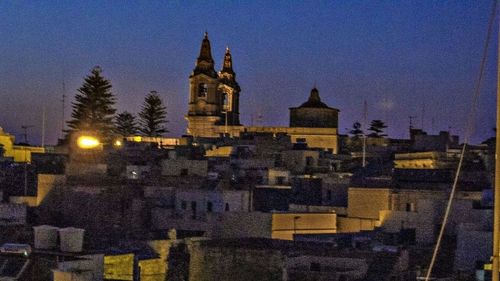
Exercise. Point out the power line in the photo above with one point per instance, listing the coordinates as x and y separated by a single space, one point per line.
468 132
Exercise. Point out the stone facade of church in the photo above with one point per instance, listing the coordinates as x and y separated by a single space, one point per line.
214 107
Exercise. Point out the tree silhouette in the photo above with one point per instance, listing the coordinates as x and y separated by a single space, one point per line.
377 127
152 117
126 124
93 108
356 129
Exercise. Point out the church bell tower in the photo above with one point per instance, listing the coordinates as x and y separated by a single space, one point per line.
229 91
204 98
213 97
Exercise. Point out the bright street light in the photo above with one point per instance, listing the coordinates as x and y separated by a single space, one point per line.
87 142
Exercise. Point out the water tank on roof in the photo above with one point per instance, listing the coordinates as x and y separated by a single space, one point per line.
45 236
71 239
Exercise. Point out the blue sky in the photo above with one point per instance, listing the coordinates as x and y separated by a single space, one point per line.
402 57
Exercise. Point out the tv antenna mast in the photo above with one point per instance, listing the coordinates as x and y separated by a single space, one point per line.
25 132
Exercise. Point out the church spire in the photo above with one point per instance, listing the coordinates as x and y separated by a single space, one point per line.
227 65
205 62
227 75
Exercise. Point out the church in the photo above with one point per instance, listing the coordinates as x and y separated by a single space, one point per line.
213 109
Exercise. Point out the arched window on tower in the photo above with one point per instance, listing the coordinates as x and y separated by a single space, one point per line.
225 102
202 90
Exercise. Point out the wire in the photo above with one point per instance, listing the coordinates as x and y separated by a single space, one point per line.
469 130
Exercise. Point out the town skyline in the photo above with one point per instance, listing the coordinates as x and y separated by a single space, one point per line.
403 59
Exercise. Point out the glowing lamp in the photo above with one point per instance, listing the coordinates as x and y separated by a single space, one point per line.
87 142
118 143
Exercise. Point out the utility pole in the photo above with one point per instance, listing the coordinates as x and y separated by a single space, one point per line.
495 262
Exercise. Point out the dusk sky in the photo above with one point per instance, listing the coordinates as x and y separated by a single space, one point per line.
402 57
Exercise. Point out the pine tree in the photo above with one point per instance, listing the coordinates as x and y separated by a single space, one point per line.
153 116
93 108
356 129
126 124
377 127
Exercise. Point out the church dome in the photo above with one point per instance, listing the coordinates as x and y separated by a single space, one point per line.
314 113
314 100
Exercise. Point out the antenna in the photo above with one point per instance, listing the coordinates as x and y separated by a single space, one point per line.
25 129
365 114
260 117
411 121
423 115
63 101
43 126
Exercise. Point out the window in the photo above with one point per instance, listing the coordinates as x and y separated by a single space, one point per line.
209 207
225 102
183 205
410 207
227 207
202 90
184 172
329 195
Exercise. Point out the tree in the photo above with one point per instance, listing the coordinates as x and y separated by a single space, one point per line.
93 106
126 125
356 129
153 116
377 127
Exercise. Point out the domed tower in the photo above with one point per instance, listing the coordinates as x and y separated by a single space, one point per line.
204 97
314 113
229 92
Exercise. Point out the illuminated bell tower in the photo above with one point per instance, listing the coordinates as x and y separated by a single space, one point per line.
229 92
204 110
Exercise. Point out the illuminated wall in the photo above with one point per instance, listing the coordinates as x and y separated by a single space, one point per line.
45 183
425 160
119 267
367 202
20 153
